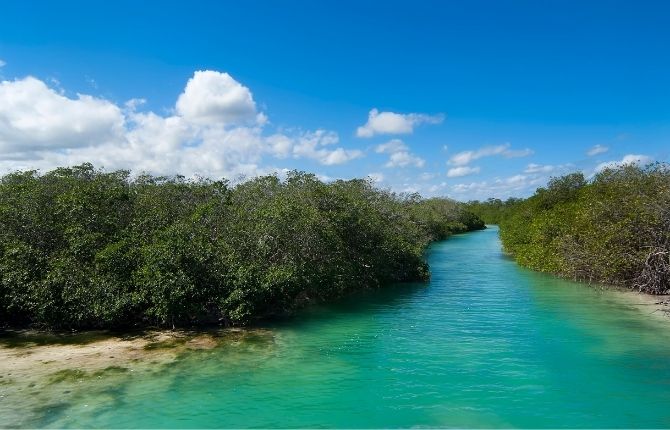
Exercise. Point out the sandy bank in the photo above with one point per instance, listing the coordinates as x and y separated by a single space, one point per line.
657 306
39 371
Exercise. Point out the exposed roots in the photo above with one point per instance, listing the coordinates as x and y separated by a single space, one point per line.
654 277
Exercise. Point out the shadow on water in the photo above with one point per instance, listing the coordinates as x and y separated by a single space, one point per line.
356 303
25 338
352 303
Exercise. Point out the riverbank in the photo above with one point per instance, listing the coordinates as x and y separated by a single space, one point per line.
656 305
612 228
41 370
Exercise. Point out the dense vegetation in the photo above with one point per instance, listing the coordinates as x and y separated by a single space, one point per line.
614 228
492 211
83 248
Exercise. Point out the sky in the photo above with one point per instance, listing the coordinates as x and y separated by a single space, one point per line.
465 99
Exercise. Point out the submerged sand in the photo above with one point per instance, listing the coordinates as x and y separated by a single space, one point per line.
41 371
657 306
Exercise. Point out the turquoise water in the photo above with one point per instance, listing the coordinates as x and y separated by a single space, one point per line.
484 344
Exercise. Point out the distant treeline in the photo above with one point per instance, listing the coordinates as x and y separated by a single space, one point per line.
613 229
82 248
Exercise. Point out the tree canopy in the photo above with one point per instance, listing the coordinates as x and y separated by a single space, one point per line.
613 229
84 248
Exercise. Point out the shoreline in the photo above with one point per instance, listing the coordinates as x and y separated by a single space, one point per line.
658 305
48 373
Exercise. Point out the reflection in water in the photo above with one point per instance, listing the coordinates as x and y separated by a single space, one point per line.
484 344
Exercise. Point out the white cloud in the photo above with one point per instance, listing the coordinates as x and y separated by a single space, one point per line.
376 177
597 149
457 172
466 157
311 145
399 154
627 159
212 97
410 188
538 168
515 180
35 117
2 63
281 146
404 159
437 187
132 104
394 123
394 145
544 169
469 188
635 159
215 130
338 156
500 187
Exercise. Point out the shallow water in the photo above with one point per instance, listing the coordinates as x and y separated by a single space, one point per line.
484 344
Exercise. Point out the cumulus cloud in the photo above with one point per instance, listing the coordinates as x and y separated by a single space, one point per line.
391 146
433 189
515 180
280 145
212 97
215 130
627 159
36 117
466 157
597 149
394 123
399 154
314 145
457 172
404 159
472 186
500 187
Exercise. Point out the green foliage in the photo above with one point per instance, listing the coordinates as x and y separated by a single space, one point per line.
83 248
614 229
491 211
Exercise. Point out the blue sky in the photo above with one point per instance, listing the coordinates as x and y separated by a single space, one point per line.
467 99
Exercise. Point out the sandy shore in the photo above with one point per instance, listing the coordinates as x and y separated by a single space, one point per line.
97 351
40 371
657 306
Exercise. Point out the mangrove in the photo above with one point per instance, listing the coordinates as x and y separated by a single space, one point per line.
84 248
